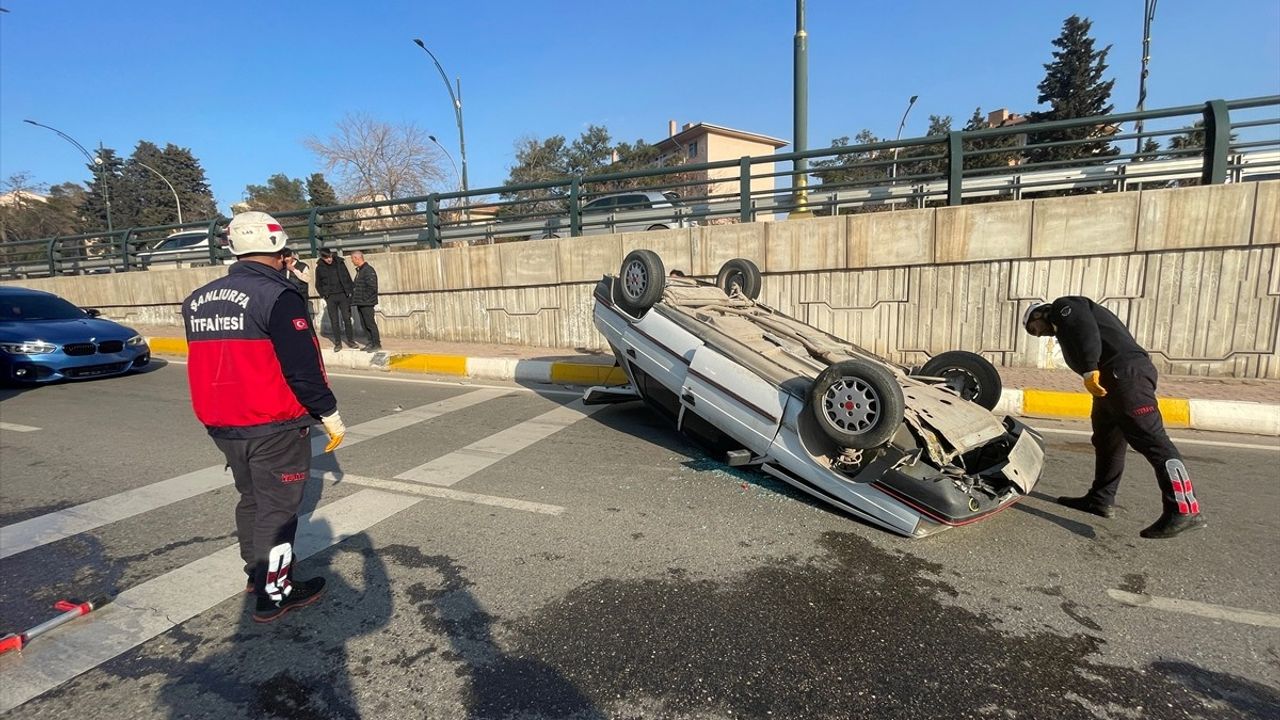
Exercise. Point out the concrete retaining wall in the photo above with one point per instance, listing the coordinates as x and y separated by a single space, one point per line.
1194 272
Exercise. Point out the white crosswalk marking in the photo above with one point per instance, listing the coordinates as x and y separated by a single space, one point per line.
157 605
55 526
459 464
143 612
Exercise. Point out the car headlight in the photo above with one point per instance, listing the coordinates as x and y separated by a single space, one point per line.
30 347
136 341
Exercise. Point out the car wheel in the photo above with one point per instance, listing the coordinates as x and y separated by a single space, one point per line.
550 236
658 227
972 376
640 281
858 404
741 275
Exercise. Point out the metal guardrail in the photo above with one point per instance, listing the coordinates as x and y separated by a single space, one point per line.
1229 141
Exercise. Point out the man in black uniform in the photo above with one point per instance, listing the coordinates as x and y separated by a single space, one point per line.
1120 376
258 384
333 283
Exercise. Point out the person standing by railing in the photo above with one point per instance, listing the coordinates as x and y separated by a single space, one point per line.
364 295
299 274
333 284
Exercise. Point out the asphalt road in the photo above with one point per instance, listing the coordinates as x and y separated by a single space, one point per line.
599 566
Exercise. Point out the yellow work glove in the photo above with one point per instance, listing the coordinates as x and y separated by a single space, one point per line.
336 430
1092 384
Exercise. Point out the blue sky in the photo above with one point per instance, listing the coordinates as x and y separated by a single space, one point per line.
242 83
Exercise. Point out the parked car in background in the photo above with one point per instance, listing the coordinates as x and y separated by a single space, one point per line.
632 211
186 248
913 450
45 338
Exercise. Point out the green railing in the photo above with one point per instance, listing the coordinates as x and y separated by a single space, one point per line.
1219 141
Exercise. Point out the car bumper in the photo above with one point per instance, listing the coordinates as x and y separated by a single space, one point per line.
50 367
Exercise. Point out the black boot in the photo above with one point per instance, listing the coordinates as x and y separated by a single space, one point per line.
1088 505
302 594
1171 524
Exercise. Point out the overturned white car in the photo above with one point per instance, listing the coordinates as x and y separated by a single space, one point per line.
914 451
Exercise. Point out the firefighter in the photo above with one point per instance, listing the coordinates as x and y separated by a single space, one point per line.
258 384
1119 374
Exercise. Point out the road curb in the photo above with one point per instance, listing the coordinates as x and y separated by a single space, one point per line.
1247 418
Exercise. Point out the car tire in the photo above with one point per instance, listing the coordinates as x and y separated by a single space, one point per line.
658 227
972 376
640 283
857 403
551 236
741 274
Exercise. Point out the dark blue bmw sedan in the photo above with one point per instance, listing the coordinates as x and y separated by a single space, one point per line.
45 338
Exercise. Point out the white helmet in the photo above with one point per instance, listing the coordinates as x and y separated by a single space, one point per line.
255 232
1031 311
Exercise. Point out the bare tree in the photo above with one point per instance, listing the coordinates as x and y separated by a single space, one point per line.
376 160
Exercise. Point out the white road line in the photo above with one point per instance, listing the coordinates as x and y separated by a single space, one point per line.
1191 607
143 612
444 383
440 492
465 462
15 427
42 530
1176 440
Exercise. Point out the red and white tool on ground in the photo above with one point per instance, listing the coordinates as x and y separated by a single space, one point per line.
71 609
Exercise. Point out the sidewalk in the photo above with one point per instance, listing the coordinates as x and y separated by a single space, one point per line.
1218 404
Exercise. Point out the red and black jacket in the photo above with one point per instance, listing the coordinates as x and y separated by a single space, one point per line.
253 363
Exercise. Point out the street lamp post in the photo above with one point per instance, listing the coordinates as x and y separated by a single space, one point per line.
800 114
433 139
94 160
910 103
457 113
176 201
1148 15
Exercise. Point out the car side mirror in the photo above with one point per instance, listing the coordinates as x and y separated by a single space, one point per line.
92 312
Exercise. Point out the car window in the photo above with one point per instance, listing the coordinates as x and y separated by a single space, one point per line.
177 242
673 198
37 307
599 204
633 202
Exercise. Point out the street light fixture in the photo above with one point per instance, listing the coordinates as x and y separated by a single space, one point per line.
176 201
457 114
95 160
910 103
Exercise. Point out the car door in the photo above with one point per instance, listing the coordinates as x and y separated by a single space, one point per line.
736 401
630 215
595 218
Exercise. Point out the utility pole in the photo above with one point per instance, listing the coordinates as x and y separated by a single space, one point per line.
1148 15
800 109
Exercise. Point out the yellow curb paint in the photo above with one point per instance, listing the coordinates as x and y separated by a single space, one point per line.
167 345
1056 404
433 364
1048 403
563 373
1176 412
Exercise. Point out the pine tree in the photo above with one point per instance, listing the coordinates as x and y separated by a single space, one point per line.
184 170
1073 88
280 194
319 192
107 174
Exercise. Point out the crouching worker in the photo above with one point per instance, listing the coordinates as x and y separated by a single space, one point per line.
1119 374
257 383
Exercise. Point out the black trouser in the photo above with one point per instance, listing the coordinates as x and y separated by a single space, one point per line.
370 325
271 473
1130 414
339 309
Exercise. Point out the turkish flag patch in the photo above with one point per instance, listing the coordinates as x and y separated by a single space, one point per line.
300 324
